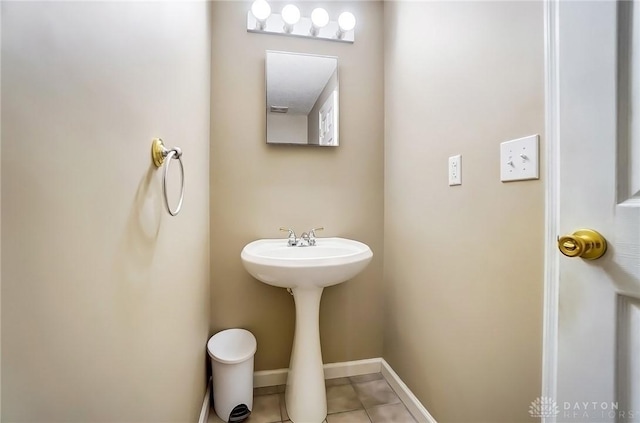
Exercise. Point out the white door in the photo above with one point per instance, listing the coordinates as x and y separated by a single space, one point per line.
598 133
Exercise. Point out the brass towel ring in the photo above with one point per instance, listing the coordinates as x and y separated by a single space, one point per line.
159 154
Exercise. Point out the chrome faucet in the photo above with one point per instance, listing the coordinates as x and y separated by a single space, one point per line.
303 241
292 241
312 235
307 239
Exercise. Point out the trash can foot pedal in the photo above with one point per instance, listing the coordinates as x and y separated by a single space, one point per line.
239 413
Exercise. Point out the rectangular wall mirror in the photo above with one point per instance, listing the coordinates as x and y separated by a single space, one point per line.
302 99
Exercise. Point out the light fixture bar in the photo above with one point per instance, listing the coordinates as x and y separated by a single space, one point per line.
275 25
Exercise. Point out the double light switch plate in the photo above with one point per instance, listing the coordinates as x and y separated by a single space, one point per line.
519 159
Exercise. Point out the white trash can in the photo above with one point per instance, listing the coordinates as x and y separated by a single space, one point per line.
231 353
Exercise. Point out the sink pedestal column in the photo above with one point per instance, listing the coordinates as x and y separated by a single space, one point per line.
306 397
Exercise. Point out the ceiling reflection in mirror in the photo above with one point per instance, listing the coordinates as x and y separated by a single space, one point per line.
302 99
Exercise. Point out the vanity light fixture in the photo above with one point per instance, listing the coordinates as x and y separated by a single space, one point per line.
289 22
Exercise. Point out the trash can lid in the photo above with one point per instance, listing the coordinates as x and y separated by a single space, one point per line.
232 346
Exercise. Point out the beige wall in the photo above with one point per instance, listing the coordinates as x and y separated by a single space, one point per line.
463 265
105 297
255 188
287 128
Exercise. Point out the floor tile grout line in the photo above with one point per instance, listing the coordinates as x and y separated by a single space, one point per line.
279 390
368 416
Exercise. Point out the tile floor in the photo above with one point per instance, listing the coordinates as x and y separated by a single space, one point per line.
357 399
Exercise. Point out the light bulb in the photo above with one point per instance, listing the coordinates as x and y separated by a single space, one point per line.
261 10
319 17
290 14
346 21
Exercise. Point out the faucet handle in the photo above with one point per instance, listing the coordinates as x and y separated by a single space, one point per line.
291 236
313 231
312 235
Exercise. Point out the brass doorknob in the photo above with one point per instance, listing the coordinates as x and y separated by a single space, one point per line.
584 243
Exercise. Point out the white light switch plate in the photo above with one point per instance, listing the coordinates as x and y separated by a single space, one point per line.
455 170
519 159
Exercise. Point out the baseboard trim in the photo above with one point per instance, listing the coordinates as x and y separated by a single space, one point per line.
354 368
264 378
331 371
412 403
206 405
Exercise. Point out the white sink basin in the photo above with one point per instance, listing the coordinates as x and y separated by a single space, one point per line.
329 262
306 271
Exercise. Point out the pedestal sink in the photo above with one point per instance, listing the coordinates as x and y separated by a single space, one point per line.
306 271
